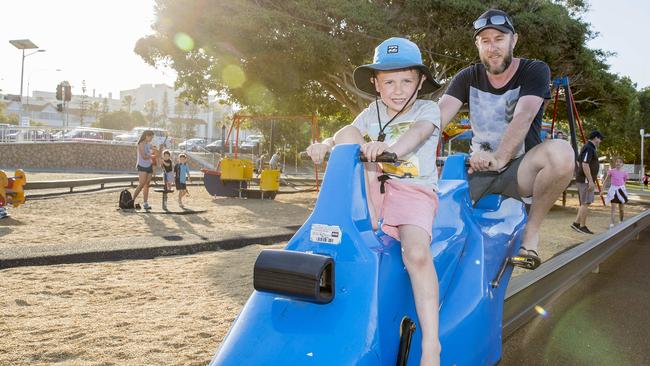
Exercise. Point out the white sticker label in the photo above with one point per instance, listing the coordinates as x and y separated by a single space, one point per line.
325 234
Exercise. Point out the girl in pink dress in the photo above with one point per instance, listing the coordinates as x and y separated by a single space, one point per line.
617 192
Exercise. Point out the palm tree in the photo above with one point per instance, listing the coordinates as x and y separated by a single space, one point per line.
128 101
151 112
95 109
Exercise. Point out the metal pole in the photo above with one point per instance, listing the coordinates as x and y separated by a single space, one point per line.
22 69
642 170
22 109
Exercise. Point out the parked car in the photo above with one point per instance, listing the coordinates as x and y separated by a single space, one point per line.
196 144
250 147
160 136
216 146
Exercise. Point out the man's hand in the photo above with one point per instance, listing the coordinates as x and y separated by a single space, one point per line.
482 161
592 186
373 149
317 151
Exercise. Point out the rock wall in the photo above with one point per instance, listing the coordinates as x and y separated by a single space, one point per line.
71 156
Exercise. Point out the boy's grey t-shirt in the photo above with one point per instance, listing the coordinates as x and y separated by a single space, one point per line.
420 165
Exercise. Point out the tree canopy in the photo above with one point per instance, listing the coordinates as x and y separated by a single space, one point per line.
297 57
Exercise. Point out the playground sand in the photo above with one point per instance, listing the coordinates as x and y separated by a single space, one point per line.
168 311
165 311
85 217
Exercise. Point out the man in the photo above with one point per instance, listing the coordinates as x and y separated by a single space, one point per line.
274 163
586 172
559 135
506 98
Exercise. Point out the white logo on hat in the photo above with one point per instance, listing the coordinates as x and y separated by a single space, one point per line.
392 49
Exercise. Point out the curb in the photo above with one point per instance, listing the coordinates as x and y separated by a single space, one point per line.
93 256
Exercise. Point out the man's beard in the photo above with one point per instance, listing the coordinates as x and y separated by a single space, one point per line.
507 60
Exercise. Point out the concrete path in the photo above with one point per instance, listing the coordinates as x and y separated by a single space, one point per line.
602 320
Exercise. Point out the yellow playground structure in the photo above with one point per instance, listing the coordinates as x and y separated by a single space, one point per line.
234 177
11 190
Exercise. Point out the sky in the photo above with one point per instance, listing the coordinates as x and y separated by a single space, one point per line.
93 40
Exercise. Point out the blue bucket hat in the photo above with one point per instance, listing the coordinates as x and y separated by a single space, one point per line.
394 54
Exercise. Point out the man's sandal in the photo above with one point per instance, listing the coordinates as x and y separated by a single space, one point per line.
528 260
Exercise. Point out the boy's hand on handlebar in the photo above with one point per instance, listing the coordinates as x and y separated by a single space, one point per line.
373 149
318 151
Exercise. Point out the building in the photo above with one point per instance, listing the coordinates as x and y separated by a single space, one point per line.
192 120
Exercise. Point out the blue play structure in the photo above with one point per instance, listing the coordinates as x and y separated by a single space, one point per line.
339 293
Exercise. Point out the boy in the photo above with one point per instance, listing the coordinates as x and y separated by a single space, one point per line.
167 166
406 202
182 176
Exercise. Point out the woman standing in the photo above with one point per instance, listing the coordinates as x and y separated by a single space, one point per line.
144 166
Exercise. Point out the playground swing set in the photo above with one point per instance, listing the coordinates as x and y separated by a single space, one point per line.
12 191
234 175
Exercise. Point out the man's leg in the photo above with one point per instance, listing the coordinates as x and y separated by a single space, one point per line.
351 135
582 214
424 281
544 173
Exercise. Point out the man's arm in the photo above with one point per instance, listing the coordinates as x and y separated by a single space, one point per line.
525 111
449 107
587 170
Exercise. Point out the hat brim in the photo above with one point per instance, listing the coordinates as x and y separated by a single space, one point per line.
364 73
500 28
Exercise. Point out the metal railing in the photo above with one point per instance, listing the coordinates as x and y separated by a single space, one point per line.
557 275
102 182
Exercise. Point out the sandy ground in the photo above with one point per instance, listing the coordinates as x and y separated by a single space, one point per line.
80 218
167 311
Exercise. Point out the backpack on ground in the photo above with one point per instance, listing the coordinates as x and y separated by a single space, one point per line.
126 200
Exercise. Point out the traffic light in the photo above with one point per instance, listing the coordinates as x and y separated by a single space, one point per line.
59 107
59 92
68 93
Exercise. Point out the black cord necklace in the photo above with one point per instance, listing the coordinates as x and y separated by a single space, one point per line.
382 136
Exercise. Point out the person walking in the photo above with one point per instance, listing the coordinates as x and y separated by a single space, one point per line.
144 166
586 172
617 193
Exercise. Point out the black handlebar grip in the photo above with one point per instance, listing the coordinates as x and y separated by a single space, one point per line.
385 157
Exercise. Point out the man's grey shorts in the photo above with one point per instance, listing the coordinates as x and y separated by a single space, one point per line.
504 182
585 195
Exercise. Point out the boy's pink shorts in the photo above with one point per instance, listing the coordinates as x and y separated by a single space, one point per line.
403 204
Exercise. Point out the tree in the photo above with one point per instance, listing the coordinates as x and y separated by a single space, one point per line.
11 119
127 102
264 53
84 103
297 57
151 112
118 120
105 107
95 109
164 113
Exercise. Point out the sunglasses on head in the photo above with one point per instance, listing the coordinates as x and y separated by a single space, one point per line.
494 20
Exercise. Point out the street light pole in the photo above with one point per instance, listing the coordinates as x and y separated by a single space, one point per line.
23 44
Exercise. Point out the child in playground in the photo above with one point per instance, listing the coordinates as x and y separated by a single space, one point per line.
182 172
168 167
144 166
616 192
403 195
